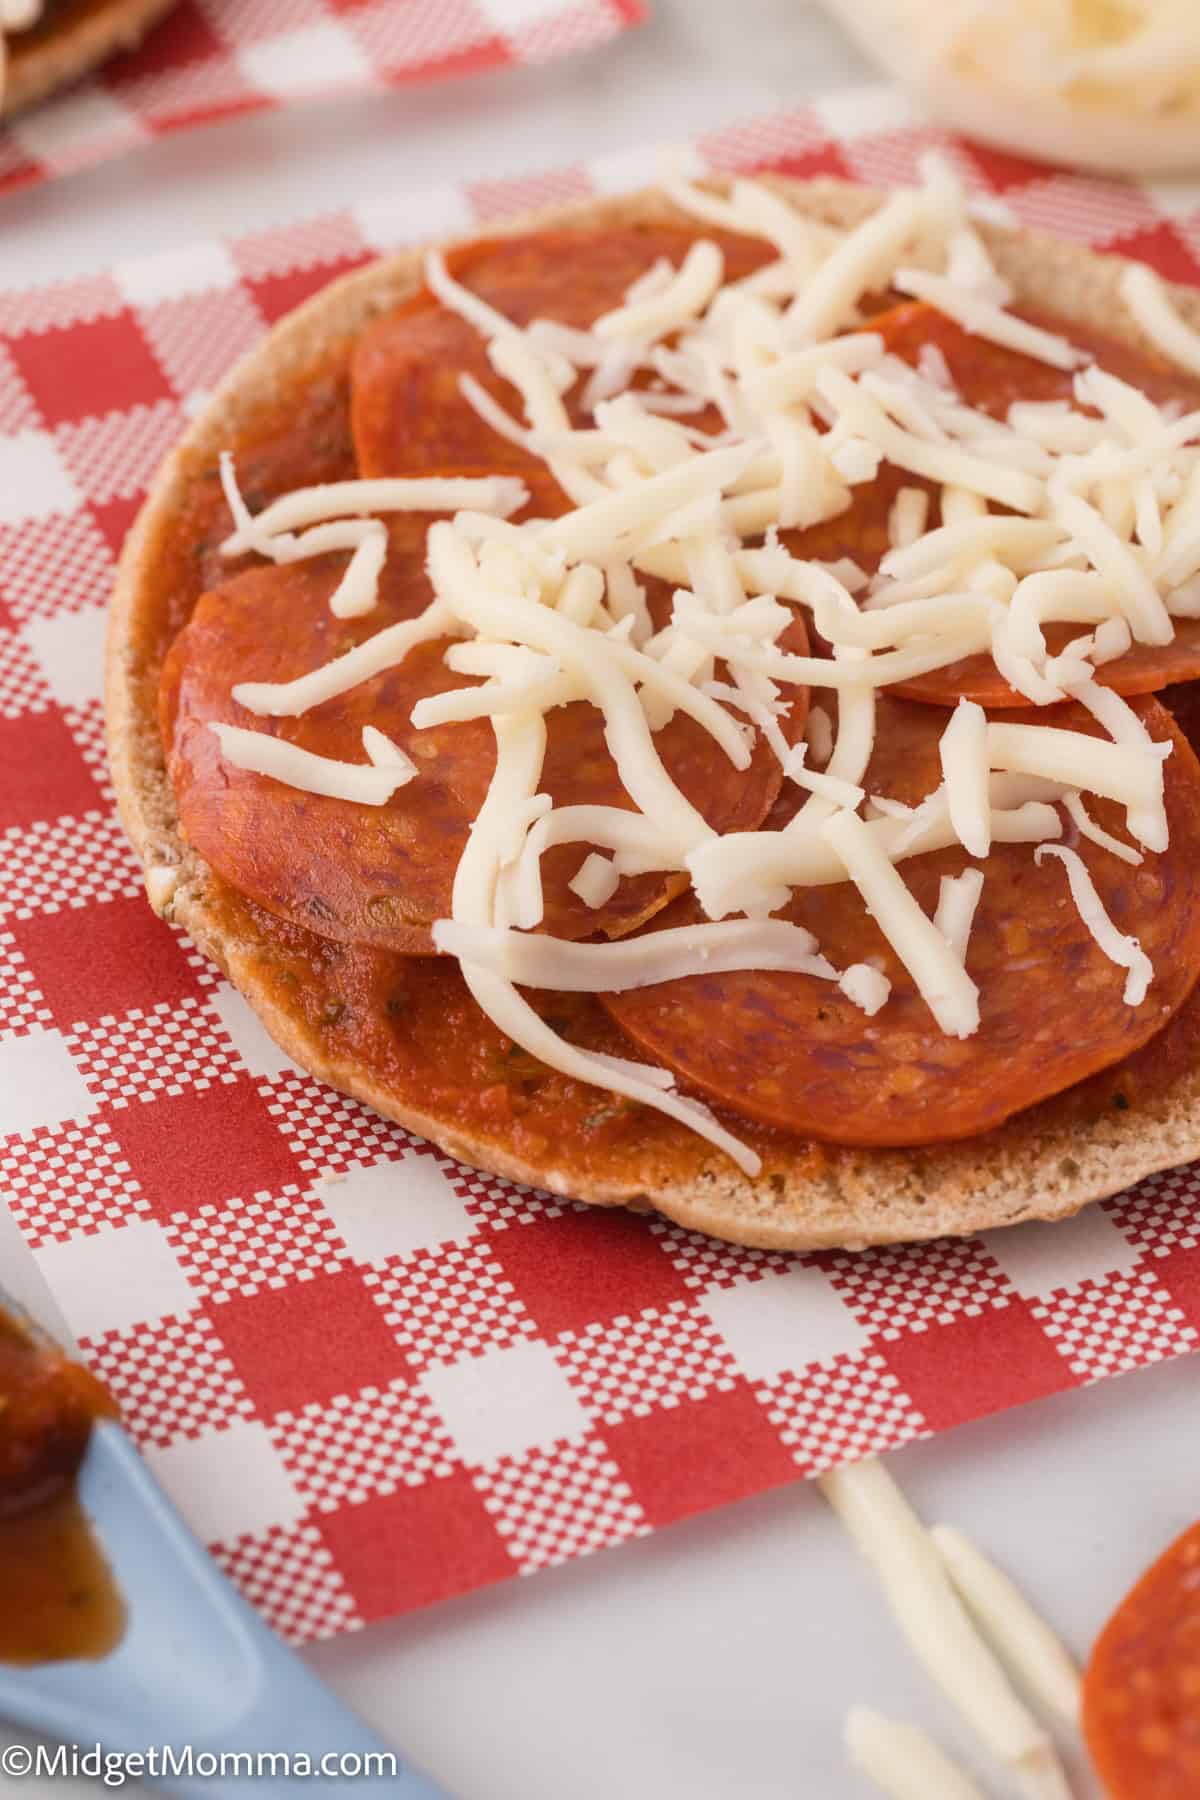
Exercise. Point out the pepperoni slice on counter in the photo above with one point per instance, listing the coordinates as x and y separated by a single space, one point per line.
381 875
1141 1690
409 415
793 1052
991 378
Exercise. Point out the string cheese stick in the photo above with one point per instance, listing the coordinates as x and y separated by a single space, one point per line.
1034 1654
902 1761
931 1616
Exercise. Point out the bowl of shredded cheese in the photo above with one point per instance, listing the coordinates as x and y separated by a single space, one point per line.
1104 84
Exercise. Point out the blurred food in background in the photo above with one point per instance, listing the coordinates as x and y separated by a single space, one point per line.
1106 84
46 44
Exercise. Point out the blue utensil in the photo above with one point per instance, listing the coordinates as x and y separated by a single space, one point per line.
196 1665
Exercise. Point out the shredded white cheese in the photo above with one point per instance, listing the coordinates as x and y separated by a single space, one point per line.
387 649
386 754
1087 827
520 747
857 412
818 735
685 295
501 495
1098 525
1126 952
615 968
908 517
865 258
941 980
1116 562
867 987
367 784
1146 296
1121 772
963 750
958 897
596 880
982 318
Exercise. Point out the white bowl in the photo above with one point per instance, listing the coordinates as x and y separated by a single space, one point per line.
1043 125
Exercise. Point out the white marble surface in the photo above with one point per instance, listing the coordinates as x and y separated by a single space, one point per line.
716 1659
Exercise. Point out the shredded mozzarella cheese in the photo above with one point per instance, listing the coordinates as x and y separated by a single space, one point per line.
1115 561
983 318
866 987
596 880
1126 952
1123 772
1100 526
635 962
386 754
946 989
1087 827
687 294
1146 296
958 896
907 518
818 735
501 495
963 751
520 747
857 412
864 259
388 648
367 784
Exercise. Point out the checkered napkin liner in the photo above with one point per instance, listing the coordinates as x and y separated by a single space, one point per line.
371 1377
215 59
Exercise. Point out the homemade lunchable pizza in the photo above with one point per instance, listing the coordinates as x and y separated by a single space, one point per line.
44 44
686 703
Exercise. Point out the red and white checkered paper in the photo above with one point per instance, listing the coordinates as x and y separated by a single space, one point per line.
371 1377
215 59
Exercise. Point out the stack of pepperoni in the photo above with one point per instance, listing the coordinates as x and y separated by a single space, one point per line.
724 905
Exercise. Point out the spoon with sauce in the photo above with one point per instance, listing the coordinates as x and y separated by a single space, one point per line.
116 1627
60 1599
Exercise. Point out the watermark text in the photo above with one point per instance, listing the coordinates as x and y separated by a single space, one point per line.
58 1762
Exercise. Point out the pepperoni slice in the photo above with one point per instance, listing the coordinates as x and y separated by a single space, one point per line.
408 411
861 531
793 1052
991 378
380 876
1141 1691
1144 669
